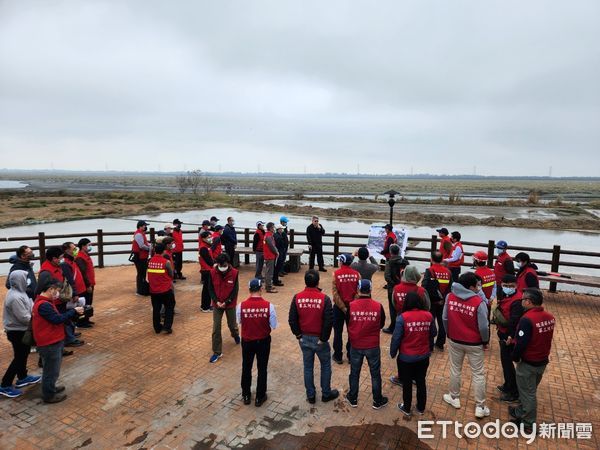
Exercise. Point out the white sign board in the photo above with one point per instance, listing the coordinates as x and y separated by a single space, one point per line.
377 240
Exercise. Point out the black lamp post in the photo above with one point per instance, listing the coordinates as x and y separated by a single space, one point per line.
391 202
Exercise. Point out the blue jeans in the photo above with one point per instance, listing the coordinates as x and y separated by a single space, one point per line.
52 358
373 356
309 346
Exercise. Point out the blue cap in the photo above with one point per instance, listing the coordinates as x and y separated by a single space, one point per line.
364 286
283 219
255 284
346 258
502 244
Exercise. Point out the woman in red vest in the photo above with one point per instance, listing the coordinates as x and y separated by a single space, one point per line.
49 333
413 342
160 279
527 276
86 267
206 260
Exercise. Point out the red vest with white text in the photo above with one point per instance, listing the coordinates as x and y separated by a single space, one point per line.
310 304
415 339
223 284
463 327
346 283
442 275
254 315
400 291
488 278
364 323
542 323
158 278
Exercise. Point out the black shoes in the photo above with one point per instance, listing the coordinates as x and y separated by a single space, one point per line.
277 283
75 343
77 335
509 398
512 412
312 400
353 402
168 330
85 325
381 403
259 401
247 398
322 269
56 398
59 389
338 360
332 396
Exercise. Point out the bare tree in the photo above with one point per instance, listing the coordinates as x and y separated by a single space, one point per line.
194 179
207 185
182 183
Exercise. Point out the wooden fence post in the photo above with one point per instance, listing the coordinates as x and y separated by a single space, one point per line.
42 246
336 247
292 238
100 244
247 244
554 265
490 260
433 243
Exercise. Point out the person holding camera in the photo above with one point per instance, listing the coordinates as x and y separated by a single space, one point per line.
314 236
49 334
160 279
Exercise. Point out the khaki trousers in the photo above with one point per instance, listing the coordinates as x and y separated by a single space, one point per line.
475 355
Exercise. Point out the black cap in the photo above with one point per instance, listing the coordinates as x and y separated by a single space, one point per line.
205 222
218 228
205 234
48 283
443 231
509 278
456 235
141 223
214 219
177 222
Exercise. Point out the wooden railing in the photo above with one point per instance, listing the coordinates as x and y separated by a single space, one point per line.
334 244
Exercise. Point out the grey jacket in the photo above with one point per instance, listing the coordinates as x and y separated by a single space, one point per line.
482 312
17 305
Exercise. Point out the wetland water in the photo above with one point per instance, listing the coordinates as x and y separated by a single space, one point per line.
586 241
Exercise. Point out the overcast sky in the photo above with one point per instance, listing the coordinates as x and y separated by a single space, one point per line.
500 87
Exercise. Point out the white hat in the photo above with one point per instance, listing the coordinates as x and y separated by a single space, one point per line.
168 225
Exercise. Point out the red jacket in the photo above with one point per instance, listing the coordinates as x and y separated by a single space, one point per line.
159 279
178 239
462 255
254 316
390 238
217 247
346 283
364 323
55 271
445 253
539 346
463 327
78 280
415 339
499 270
204 265
89 265
135 248
310 304
488 278
442 275
521 283
260 244
268 253
223 284
400 291
45 332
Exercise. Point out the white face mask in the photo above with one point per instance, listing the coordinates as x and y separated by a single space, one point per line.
172 246
223 269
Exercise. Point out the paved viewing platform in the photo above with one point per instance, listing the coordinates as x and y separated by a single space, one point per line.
130 388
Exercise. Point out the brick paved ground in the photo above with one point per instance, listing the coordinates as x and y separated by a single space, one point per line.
131 388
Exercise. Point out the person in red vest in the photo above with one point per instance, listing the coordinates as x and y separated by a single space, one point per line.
217 246
410 278
223 288
140 249
178 250
532 349
465 319
366 319
160 279
390 238
487 275
206 260
457 257
86 267
258 243
437 281
344 288
257 318
527 276
271 254
413 341
394 267
48 329
506 317
503 265
311 320
445 243
73 276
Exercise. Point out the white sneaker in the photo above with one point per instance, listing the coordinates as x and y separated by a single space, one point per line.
482 411
452 401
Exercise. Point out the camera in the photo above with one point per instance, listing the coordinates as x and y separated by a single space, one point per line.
88 311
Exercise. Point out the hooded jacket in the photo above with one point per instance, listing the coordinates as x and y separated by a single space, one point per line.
17 305
393 268
482 312
18 264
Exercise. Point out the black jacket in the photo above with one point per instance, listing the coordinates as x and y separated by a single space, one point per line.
18 264
314 235
393 269
294 320
279 242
